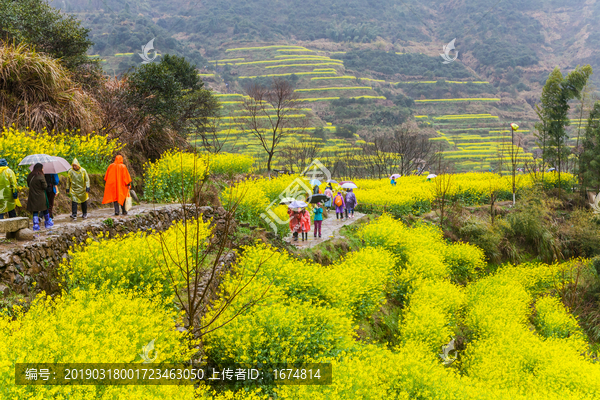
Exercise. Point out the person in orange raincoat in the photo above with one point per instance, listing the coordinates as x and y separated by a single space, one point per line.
117 185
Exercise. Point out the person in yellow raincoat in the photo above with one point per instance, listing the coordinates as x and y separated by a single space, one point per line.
8 190
78 187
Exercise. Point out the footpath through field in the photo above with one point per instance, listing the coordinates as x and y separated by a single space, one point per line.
63 223
329 230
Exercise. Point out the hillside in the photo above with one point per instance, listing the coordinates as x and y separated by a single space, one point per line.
369 66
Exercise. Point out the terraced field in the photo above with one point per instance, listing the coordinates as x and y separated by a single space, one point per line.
319 79
475 146
476 140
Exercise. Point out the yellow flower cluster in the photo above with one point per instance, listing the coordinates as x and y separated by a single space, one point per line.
259 200
334 88
136 261
229 163
93 326
454 100
174 176
308 311
506 353
93 151
554 320
265 48
414 194
287 59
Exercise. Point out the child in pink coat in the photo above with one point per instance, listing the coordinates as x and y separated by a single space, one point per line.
305 223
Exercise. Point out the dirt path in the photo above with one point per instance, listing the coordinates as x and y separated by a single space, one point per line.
329 230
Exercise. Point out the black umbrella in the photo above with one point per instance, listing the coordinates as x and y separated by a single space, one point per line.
317 198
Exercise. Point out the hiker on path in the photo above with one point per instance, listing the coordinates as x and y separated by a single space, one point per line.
51 191
295 223
118 183
318 219
305 222
37 201
78 187
329 194
351 203
339 206
8 190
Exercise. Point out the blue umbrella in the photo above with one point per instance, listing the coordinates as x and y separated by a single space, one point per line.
331 181
297 204
315 182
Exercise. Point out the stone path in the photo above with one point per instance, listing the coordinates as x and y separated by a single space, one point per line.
63 223
329 230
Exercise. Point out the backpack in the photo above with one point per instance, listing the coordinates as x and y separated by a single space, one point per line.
338 201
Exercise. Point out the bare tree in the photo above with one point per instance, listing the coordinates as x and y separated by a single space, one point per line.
200 264
117 119
376 155
411 147
214 137
268 115
300 154
438 160
442 185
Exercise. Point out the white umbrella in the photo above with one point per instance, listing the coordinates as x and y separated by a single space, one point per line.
56 166
349 185
431 176
395 176
36 158
297 204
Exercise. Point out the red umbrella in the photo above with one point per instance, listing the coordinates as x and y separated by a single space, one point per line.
342 182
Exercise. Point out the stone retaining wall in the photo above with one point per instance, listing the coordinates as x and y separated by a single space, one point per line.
38 262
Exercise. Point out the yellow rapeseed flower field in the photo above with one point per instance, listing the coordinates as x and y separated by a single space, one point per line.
93 151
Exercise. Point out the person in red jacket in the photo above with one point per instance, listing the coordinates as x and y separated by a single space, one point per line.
305 218
118 183
295 223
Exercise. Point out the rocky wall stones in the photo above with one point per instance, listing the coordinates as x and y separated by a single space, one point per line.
38 262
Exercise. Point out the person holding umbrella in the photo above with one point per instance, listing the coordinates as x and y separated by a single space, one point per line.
315 183
37 201
329 194
339 206
78 187
118 183
295 225
351 203
8 191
